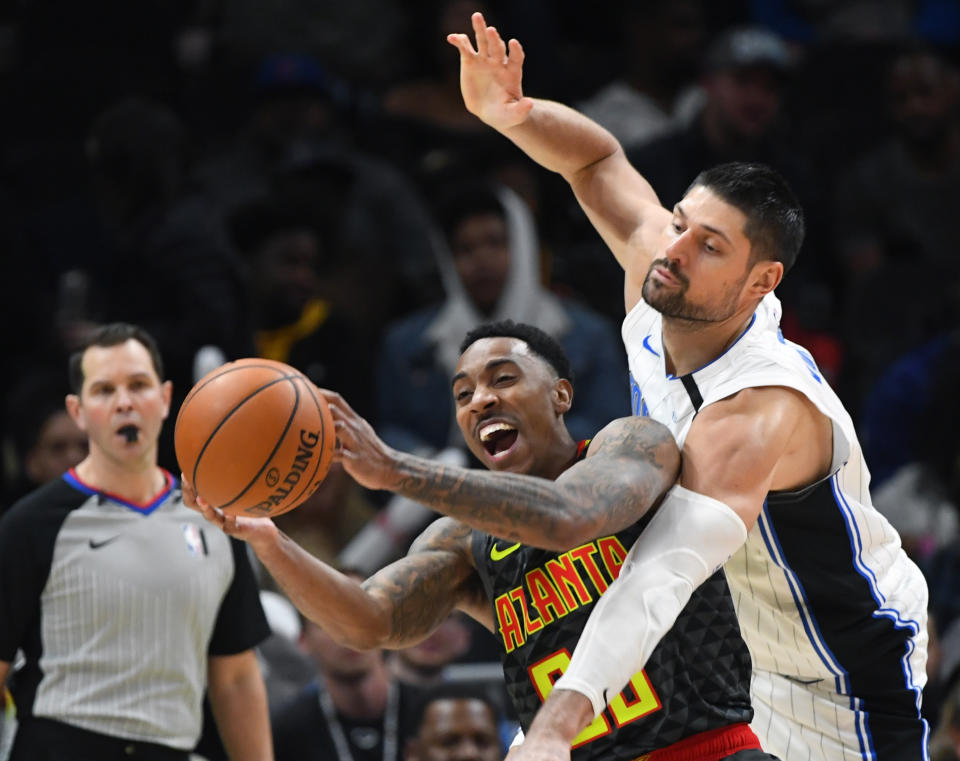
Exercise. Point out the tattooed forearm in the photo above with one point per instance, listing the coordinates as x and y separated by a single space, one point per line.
631 463
422 588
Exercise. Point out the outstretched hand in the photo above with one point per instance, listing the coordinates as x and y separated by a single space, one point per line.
252 530
363 454
490 76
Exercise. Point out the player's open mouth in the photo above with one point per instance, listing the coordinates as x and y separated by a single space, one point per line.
497 437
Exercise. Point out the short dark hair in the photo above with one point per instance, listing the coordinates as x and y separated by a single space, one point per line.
34 400
456 201
541 343
454 690
252 224
775 226
113 334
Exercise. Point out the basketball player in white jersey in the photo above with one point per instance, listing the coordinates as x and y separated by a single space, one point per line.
772 486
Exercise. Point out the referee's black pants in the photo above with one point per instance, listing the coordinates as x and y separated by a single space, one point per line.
48 740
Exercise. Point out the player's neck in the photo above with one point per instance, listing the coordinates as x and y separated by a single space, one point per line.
689 346
138 482
364 698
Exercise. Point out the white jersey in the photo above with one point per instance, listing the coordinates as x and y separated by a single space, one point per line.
832 610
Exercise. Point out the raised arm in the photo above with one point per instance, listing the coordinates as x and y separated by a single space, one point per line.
630 465
619 202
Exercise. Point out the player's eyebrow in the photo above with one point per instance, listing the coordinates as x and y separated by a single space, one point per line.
678 210
496 362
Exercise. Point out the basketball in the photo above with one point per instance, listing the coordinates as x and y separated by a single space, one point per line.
253 437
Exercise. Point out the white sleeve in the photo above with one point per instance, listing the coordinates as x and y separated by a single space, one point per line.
688 539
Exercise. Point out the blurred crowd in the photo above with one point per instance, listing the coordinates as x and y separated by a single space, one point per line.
300 181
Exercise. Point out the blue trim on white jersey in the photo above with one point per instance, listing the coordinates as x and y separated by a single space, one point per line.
671 376
856 544
765 521
814 634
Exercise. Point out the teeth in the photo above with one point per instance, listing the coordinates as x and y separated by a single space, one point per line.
488 430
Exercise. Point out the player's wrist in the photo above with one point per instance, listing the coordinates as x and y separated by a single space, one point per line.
561 718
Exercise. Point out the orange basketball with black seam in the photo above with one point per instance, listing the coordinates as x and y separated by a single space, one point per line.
254 437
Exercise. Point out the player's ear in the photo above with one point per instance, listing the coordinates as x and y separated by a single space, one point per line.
766 276
75 410
562 396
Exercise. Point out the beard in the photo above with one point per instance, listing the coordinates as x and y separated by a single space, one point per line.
673 303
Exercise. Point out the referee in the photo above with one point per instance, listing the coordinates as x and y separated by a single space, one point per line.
126 604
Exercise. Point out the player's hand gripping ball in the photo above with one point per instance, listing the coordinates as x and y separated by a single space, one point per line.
254 437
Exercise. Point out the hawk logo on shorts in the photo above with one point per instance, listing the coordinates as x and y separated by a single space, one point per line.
196 541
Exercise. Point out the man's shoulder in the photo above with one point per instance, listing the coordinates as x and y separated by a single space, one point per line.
38 506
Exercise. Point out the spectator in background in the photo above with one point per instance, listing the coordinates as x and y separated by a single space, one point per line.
292 103
744 74
945 741
419 129
491 270
660 44
426 663
293 308
459 651
456 722
168 266
895 210
909 430
44 439
298 143
354 709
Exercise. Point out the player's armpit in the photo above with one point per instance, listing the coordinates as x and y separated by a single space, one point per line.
421 589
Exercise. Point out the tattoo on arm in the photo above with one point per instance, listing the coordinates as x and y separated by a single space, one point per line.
631 463
423 588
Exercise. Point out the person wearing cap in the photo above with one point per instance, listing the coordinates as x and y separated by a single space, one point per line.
743 75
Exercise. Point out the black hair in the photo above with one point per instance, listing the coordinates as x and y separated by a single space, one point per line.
542 344
454 202
775 226
141 146
113 334
252 224
454 690
32 402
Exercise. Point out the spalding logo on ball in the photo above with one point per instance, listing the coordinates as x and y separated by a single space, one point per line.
254 437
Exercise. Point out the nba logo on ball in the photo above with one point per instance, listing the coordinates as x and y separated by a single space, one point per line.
254 437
